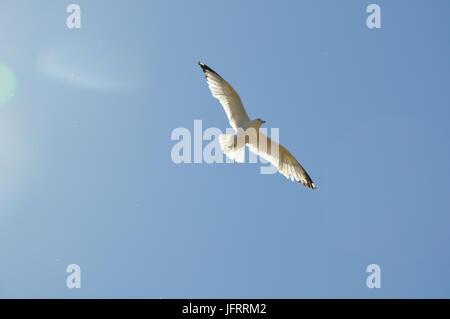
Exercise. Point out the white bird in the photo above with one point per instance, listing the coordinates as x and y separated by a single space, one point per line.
233 145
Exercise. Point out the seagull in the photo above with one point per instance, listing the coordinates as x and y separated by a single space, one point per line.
274 153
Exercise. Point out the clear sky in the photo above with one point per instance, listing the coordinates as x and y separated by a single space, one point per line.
86 175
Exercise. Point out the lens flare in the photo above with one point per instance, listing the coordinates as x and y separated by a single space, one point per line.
7 84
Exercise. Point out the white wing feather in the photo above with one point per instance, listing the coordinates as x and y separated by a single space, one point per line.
281 158
227 96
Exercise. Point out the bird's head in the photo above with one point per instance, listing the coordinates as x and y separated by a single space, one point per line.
261 121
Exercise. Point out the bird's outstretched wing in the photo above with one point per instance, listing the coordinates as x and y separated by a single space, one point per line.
227 96
281 158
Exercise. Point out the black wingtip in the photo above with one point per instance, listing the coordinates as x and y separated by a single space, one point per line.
206 68
202 65
309 183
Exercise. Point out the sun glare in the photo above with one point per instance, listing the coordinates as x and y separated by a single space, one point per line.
7 84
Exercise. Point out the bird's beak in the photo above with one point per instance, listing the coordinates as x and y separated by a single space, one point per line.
263 122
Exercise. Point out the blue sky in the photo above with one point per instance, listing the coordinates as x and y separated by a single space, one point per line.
86 175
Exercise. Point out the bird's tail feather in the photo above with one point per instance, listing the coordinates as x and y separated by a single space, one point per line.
233 147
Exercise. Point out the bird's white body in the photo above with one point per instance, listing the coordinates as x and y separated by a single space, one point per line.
255 124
